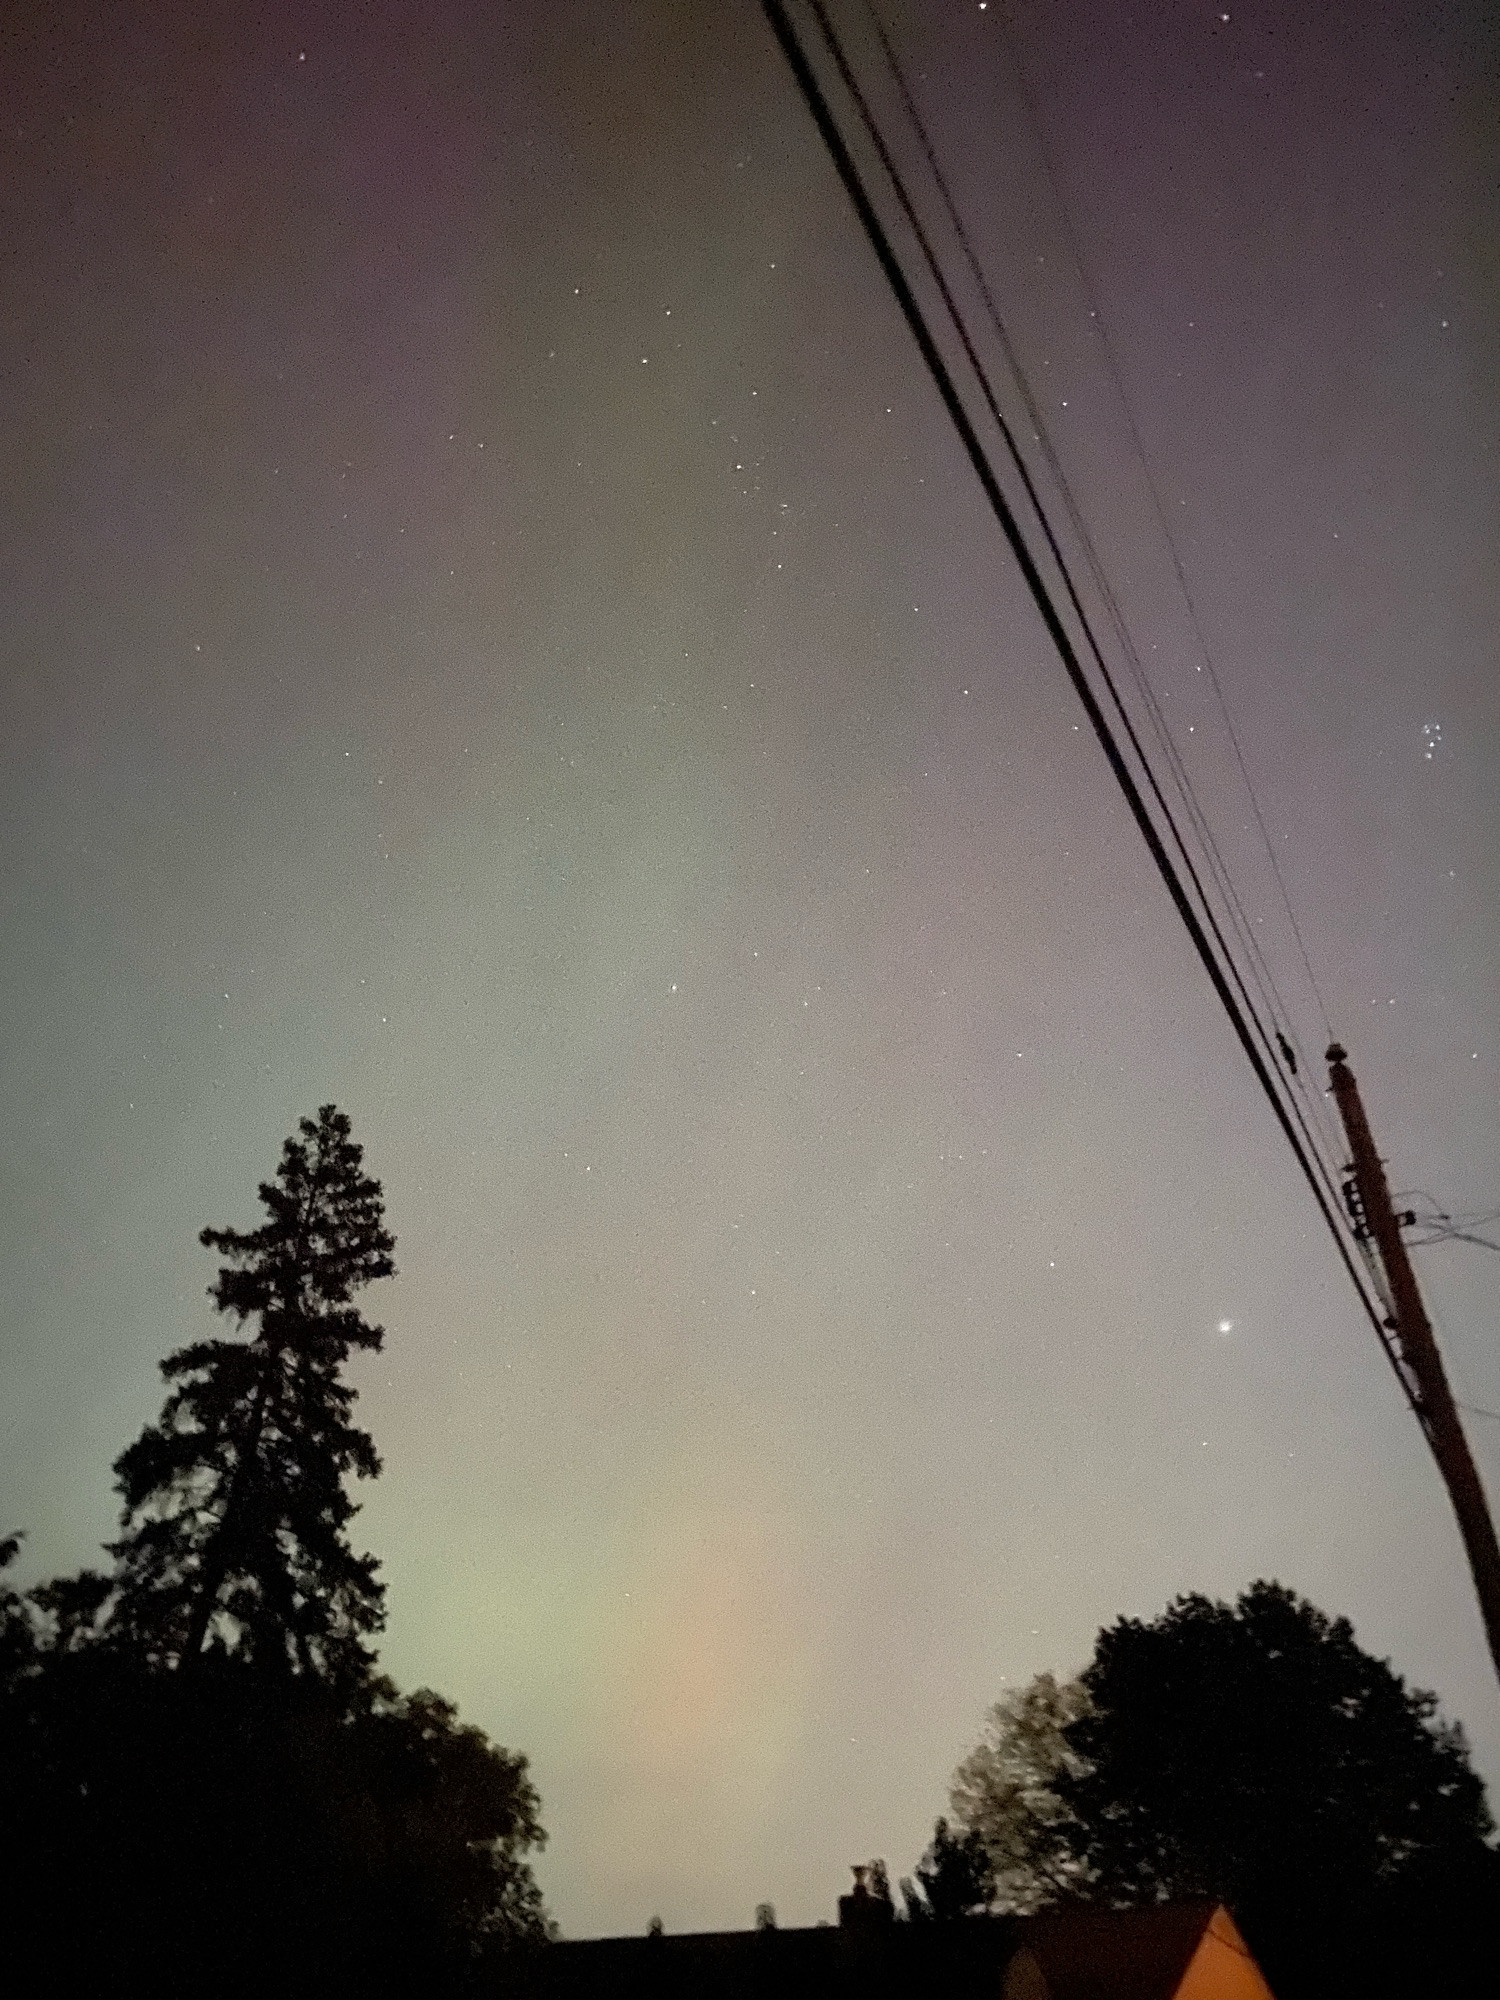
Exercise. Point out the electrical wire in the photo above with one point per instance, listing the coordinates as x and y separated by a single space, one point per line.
1290 1051
960 326
914 222
1075 249
786 35
1455 1235
1441 1227
1324 1145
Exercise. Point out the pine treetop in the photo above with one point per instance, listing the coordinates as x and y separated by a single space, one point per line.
235 1518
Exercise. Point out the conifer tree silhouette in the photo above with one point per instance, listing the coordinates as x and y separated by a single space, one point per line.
235 1518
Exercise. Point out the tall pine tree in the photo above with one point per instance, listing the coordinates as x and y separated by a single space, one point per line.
235 1517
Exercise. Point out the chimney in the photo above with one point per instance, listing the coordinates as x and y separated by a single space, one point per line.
861 1910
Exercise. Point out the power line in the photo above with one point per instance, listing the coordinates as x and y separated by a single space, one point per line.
786 35
1260 972
1298 1069
1117 378
1454 1234
955 314
1445 1228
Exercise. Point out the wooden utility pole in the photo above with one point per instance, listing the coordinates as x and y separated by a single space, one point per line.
1377 1223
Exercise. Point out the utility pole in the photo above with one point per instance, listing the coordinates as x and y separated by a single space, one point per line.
1377 1224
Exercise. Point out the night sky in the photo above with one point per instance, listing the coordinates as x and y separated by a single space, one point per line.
498 633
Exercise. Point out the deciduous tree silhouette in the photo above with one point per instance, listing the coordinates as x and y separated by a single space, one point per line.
235 1832
954 1879
17 1623
1249 1749
1005 1794
235 1518
1252 1753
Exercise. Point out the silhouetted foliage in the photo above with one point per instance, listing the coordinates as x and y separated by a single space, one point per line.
235 1514
207 1786
1253 1753
16 1642
953 1879
1005 1794
1238 1750
226 1829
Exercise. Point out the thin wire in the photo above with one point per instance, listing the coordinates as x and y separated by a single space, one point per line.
956 316
786 35
1446 1228
1076 250
1286 1053
1297 1057
1325 1143
1457 1236
1023 471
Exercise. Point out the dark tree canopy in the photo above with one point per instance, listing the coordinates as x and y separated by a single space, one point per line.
17 1641
1005 1796
1252 1749
954 1878
232 1833
235 1518
207 1787
1252 1753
